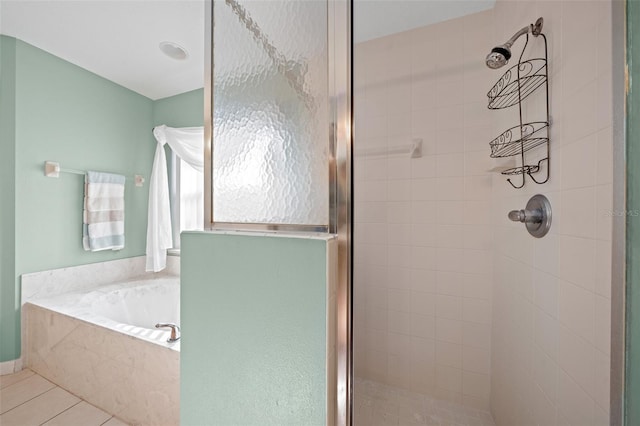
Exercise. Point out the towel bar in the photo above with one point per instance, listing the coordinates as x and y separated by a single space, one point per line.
53 169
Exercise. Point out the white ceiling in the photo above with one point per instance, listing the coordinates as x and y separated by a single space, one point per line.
118 39
378 18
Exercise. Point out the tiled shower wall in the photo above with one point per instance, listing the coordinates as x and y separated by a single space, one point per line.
551 298
434 251
423 240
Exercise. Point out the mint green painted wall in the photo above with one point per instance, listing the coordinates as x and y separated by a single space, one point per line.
632 380
83 121
253 330
183 110
9 336
64 113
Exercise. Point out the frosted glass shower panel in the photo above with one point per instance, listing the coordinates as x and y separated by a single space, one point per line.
271 132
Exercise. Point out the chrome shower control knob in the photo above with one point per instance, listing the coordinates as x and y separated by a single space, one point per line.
526 216
536 216
517 215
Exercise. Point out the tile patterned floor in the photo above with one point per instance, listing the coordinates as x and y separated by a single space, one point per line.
378 404
29 399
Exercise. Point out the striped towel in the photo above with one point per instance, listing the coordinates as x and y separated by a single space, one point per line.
103 216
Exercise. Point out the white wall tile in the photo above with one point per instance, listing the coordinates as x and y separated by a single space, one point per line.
423 280
399 322
478 286
577 310
449 378
449 354
577 261
546 333
423 303
581 119
476 384
602 377
449 236
476 335
573 402
423 326
424 235
576 357
579 212
603 324
449 330
398 212
449 307
545 373
546 292
477 360
604 212
476 310
449 283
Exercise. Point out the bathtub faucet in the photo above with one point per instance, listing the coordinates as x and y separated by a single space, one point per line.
175 330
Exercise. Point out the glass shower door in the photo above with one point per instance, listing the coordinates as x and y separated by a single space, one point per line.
271 107
278 133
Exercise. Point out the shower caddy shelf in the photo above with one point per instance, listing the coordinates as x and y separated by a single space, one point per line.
516 84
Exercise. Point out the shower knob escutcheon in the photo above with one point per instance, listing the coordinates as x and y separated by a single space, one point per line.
536 216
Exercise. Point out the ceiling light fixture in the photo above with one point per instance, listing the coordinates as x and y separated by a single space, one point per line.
173 50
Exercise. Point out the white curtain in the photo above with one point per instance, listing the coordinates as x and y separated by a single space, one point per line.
188 144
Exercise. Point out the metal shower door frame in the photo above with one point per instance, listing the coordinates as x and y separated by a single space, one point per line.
339 42
618 258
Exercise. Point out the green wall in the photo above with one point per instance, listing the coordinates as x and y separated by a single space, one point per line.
254 336
69 115
53 110
9 335
632 380
183 110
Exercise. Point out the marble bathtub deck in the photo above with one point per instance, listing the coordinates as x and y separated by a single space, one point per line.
29 399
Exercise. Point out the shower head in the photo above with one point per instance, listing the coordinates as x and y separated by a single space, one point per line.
500 55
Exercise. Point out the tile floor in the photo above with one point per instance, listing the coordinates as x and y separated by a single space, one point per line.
29 399
378 404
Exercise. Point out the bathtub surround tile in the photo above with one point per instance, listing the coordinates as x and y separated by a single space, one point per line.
46 284
111 370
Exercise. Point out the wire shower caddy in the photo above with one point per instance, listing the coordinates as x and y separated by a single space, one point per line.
515 85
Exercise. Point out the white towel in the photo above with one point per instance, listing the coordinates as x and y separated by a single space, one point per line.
103 215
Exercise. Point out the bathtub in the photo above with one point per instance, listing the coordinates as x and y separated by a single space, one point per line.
101 344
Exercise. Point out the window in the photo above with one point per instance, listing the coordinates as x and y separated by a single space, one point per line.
186 194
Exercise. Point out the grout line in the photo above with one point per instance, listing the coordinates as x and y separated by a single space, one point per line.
106 421
60 411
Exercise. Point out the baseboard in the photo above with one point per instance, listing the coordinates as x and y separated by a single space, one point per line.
10 367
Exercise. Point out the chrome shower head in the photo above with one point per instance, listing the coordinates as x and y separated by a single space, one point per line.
498 57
